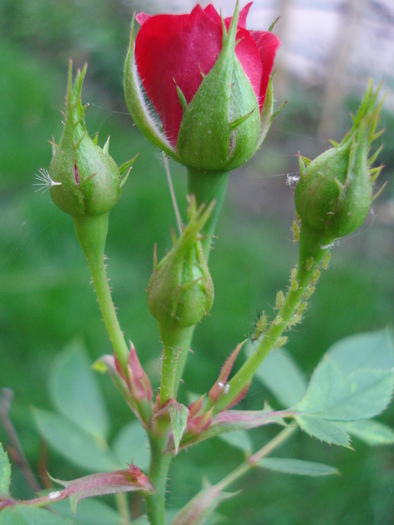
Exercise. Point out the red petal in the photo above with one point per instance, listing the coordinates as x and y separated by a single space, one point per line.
242 17
267 44
175 50
248 54
212 14
142 18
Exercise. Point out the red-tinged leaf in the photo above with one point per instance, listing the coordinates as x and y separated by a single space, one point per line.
139 381
127 480
234 420
199 423
196 406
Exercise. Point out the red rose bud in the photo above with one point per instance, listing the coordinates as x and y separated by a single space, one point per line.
85 181
180 290
334 193
208 84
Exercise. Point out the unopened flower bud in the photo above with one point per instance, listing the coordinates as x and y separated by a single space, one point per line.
180 291
85 179
334 193
208 80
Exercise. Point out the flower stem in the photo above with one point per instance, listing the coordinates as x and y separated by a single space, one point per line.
206 186
294 297
92 233
158 473
176 342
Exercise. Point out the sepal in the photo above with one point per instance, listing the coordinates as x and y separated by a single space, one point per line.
140 109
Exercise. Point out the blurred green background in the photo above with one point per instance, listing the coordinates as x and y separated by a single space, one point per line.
46 299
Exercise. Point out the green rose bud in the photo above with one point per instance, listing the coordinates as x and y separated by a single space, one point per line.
180 291
85 181
334 193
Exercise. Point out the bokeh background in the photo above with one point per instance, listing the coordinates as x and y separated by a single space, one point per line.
329 49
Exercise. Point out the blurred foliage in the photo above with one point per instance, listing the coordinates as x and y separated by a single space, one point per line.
46 299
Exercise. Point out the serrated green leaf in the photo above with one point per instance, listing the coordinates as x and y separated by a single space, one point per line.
238 439
5 472
297 467
24 515
73 443
283 377
327 431
178 414
370 431
354 381
334 395
372 350
75 392
131 446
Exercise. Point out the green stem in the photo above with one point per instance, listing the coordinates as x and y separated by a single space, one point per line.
92 233
293 299
176 343
158 473
206 186
122 504
252 462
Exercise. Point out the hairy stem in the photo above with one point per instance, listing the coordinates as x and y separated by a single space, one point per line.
207 186
176 342
92 233
294 297
158 474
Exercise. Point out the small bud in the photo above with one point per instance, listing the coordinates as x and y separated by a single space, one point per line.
85 179
180 291
334 193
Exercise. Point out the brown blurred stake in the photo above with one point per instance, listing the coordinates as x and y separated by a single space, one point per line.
337 73
7 396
